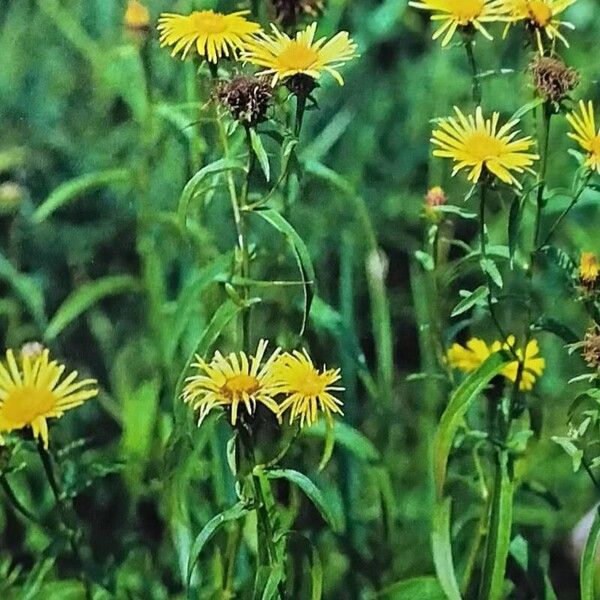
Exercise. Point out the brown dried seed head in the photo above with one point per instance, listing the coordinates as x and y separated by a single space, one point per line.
290 12
591 347
552 78
247 98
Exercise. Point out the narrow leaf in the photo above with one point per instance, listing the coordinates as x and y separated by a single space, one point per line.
451 419
234 513
442 548
259 150
75 188
301 254
588 560
312 492
471 300
85 297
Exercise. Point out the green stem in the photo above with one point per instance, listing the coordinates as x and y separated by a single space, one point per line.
476 83
67 517
12 498
547 116
565 212
300 109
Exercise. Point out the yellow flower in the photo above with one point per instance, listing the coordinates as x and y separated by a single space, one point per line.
282 56
213 34
586 134
588 268
229 381
478 144
137 16
470 357
542 17
463 14
32 393
308 390
533 365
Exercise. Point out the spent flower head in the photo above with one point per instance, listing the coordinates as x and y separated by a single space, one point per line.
289 12
585 134
212 34
552 78
32 390
282 56
478 144
464 15
590 347
247 98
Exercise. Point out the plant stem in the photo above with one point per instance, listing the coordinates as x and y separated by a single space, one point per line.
477 94
67 517
16 503
547 116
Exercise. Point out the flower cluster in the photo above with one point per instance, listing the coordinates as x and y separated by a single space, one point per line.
281 382
471 356
216 35
33 390
541 17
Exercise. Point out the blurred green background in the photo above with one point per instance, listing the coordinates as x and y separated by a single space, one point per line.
73 102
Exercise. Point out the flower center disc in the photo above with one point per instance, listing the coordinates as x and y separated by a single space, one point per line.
310 385
240 384
24 404
482 146
207 21
466 10
297 57
540 13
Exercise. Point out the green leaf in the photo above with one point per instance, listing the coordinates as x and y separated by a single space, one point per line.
425 259
85 297
276 575
223 315
348 438
191 188
417 588
489 267
499 531
329 444
470 300
557 328
451 419
234 513
588 568
456 210
527 108
301 253
514 224
313 493
259 150
25 289
575 453
75 188
442 548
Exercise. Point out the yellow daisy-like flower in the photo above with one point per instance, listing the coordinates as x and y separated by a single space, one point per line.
586 134
589 269
542 16
282 56
213 34
229 381
471 356
137 16
308 390
462 14
468 358
477 143
33 392
533 365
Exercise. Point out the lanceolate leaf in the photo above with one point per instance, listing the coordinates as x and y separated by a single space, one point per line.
260 152
588 560
300 252
72 190
470 300
193 185
452 417
442 548
85 297
234 513
417 588
312 491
